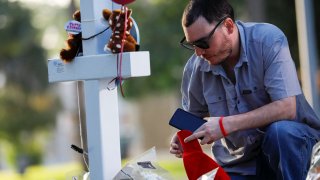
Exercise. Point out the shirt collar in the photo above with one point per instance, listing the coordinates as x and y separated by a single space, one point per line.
206 67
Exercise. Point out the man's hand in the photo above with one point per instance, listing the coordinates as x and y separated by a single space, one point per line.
175 146
209 131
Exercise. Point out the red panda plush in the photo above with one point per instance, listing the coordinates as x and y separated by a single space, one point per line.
120 35
73 43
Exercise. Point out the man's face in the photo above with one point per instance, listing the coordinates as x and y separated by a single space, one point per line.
220 46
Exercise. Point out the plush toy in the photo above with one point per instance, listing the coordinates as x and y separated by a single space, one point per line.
120 34
73 43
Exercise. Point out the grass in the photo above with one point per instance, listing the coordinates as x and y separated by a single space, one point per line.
57 172
67 171
175 168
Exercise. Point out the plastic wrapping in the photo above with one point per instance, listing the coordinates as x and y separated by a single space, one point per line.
77 175
314 171
143 167
210 175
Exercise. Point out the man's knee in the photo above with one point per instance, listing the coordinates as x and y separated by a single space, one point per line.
287 136
281 131
286 144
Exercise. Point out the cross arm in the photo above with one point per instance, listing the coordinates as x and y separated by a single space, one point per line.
102 66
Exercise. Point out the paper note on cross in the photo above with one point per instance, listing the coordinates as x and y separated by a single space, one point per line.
96 69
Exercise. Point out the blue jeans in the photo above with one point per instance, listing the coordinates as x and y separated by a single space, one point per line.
285 152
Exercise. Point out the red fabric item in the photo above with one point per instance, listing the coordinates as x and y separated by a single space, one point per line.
196 162
123 2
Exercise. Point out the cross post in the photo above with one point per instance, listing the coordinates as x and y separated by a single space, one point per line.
96 69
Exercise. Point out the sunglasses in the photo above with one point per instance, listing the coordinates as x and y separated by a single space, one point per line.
202 43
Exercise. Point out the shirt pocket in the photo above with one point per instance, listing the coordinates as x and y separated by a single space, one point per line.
217 105
254 96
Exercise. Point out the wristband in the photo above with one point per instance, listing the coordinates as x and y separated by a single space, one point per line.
223 131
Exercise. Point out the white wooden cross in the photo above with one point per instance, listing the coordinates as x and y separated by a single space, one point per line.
97 69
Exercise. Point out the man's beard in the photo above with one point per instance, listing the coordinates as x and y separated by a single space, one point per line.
224 60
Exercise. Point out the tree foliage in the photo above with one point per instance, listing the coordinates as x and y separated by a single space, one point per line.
22 58
26 108
160 31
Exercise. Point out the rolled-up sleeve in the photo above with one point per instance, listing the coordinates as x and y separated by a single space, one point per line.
191 90
280 77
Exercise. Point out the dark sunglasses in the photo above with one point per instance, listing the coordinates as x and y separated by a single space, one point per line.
202 43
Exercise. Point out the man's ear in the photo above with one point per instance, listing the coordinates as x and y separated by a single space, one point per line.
229 24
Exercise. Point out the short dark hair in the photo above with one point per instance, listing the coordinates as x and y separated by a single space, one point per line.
211 10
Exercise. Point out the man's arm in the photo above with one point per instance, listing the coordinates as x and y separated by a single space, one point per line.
265 115
260 117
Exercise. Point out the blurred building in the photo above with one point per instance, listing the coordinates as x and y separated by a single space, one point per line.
143 124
